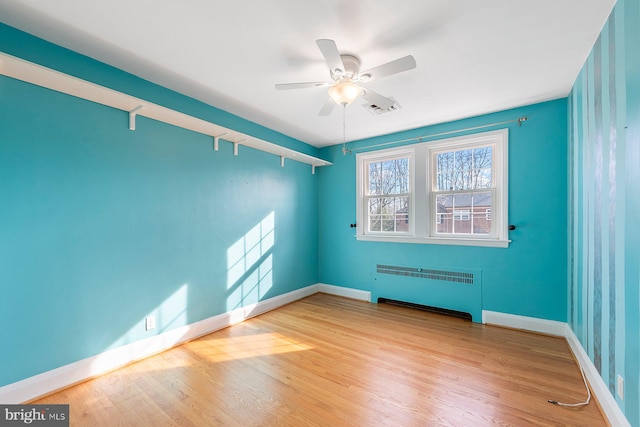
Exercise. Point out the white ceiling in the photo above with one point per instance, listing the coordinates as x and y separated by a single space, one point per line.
473 56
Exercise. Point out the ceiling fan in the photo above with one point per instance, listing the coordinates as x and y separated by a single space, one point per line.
344 70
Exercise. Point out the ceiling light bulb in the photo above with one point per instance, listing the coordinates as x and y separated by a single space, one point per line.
344 93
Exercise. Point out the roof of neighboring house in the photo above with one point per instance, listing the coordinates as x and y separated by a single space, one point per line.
464 200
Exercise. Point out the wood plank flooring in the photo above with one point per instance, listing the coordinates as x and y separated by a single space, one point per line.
331 361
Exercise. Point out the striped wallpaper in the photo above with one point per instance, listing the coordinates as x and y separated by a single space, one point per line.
605 199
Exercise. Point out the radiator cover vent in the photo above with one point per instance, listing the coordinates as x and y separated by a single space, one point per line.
448 276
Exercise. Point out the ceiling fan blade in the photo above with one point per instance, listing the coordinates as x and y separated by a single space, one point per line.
405 63
327 108
287 86
331 55
375 98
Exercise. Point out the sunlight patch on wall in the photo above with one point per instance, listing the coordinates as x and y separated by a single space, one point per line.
250 265
170 313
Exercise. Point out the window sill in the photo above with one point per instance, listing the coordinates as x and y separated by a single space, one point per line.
489 243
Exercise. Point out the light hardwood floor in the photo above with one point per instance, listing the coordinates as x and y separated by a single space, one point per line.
332 361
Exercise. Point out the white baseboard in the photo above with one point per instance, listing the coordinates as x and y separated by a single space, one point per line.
549 327
345 292
73 373
607 402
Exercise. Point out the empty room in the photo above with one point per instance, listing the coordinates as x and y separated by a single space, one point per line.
406 213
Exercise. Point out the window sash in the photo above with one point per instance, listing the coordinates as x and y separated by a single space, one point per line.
401 221
388 222
474 216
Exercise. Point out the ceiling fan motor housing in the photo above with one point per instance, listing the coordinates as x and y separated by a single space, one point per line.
351 67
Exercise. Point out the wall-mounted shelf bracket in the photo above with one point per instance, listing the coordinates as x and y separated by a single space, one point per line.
216 141
132 117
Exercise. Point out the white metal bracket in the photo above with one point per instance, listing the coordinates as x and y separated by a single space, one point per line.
313 169
235 146
216 141
132 117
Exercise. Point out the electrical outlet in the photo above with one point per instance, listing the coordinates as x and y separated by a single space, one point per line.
150 323
621 387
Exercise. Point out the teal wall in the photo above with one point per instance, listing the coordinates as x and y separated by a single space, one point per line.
605 204
527 278
101 226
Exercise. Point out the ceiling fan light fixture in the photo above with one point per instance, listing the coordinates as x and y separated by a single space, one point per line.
344 92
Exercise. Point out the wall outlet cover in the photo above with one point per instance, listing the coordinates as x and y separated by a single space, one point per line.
620 388
150 323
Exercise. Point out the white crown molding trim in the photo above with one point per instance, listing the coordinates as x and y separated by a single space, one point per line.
47 382
345 292
606 400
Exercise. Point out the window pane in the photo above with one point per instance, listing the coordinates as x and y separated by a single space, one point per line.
375 223
387 205
482 157
374 178
402 185
480 223
446 223
402 205
402 222
444 181
464 169
375 207
461 221
463 162
482 178
481 200
444 171
444 210
388 223
389 177
462 201
401 175
482 213
444 203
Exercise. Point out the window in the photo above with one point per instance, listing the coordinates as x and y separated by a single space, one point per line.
452 191
387 199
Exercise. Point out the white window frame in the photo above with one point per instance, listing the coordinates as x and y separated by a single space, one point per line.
422 213
363 183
